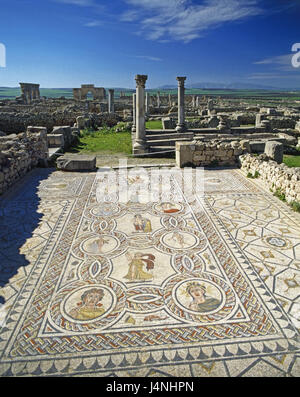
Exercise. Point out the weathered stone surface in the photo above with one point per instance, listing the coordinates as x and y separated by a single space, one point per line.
20 153
56 140
274 150
276 176
168 123
206 154
80 122
257 147
76 163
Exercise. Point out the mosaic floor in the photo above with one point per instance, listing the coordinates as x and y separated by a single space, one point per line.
202 284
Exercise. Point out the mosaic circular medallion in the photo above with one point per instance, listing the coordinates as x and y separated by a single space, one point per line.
99 245
201 298
83 306
278 242
179 240
105 209
96 244
89 303
167 208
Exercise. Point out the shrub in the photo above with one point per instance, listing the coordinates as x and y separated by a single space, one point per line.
278 193
256 175
295 206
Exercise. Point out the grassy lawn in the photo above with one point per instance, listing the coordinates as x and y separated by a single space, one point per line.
110 147
292 161
154 125
104 142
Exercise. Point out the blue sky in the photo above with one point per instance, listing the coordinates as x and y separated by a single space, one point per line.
66 43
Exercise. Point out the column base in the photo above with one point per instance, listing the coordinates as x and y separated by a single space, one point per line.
140 147
180 128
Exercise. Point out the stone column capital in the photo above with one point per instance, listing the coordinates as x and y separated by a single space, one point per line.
111 90
181 80
141 80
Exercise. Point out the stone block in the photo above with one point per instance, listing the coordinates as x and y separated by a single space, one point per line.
76 163
55 140
245 146
168 123
80 122
34 130
257 146
274 150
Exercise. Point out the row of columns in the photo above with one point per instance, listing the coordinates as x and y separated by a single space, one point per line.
139 112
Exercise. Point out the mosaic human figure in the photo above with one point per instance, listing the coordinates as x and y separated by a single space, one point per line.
179 238
200 301
137 263
89 306
96 246
168 208
142 224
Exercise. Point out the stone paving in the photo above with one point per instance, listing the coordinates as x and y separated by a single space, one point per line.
204 286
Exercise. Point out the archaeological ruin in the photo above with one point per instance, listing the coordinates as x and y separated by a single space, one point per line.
98 279
81 94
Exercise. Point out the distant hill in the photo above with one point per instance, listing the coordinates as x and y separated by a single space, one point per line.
230 86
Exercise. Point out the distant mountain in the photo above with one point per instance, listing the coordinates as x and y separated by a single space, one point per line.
167 87
224 86
232 86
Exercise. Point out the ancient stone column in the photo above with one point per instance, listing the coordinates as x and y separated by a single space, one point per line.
133 129
194 101
258 120
147 103
210 106
181 111
158 99
111 100
170 100
197 102
140 144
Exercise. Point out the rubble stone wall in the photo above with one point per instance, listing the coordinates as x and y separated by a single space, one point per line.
209 154
19 154
277 176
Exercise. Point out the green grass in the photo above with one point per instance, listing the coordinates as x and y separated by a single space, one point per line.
279 194
292 161
295 205
256 175
106 141
154 125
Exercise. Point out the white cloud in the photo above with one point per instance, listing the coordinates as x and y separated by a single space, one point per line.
81 3
184 20
279 63
279 60
149 58
93 24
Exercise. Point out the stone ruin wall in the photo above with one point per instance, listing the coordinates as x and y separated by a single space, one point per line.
14 122
276 176
20 153
208 154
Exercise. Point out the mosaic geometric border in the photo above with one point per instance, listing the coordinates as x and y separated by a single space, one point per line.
262 330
